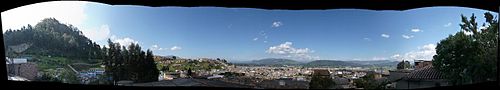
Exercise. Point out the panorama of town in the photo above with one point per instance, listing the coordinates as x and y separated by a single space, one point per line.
220 73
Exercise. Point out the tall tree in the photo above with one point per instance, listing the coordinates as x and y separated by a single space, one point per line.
319 81
403 65
109 62
368 82
469 58
150 66
130 63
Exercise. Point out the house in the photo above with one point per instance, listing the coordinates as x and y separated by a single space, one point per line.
21 68
377 75
215 76
424 77
422 63
169 75
283 83
395 75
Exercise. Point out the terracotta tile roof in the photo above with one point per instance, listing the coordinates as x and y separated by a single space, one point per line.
425 73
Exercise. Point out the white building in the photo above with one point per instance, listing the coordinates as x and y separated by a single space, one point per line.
215 76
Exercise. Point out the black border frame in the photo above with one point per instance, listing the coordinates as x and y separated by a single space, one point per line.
490 5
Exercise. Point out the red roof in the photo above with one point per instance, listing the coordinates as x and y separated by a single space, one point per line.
425 73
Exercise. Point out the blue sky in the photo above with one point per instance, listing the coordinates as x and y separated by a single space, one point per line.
249 34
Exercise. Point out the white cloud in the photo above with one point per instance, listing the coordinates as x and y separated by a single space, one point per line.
396 56
68 12
98 34
156 47
255 39
379 58
263 36
262 33
175 48
416 30
113 37
287 50
447 25
385 35
367 39
125 41
425 52
407 36
277 24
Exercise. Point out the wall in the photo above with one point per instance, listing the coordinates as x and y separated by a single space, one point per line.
403 84
394 75
26 70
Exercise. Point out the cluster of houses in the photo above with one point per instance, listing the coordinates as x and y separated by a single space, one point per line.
423 75
90 75
20 69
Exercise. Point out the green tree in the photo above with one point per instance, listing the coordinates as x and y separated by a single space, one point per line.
403 65
130 63
189 72
68 76
318 82
47 77
151 73
113 62
321 82
369 82
174 57
472 58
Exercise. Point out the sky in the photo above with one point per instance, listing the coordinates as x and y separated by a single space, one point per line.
240 34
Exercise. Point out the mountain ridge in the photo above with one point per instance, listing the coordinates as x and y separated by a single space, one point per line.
320 63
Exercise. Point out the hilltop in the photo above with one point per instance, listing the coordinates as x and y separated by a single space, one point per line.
50 37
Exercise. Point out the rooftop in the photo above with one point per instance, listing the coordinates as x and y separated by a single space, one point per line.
191 82
402 70
425 73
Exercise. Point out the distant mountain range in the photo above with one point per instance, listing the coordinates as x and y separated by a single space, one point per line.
276 61
319 63
331 63
368 62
